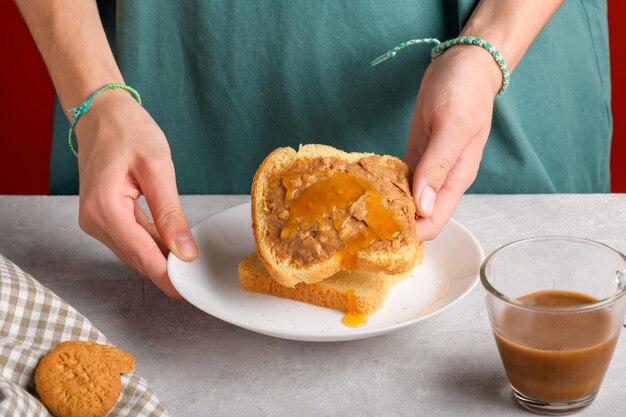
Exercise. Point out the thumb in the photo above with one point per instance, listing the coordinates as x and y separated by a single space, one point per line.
441 153
159 188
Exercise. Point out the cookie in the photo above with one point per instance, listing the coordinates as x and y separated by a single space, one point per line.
81 379
120 359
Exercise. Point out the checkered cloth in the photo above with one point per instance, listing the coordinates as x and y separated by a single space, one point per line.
33 320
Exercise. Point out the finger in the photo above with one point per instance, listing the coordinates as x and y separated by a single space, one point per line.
136 245
144 221
458 180
440 155
154 234
108 241
137 267
140 214
158 183
161 283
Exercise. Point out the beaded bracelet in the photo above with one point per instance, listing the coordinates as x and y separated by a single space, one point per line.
82 109
441 47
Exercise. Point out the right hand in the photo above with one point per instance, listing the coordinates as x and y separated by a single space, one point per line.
123 154
450 127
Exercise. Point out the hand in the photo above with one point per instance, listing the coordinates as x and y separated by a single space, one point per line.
122 153
451 122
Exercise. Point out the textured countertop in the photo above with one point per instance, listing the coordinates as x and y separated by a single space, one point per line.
199 366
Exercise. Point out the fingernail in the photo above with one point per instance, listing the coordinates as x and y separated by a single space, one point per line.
184 245
427 201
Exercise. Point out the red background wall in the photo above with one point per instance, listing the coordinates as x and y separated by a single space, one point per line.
26 98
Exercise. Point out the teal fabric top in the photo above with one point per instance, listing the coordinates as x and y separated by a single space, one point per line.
228 81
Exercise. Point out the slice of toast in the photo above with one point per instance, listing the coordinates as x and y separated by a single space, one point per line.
368 289
384 178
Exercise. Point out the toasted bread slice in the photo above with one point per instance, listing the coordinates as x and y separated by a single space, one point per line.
386 177
368 289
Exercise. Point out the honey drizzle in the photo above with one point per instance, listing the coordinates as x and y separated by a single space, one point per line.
328 199
352 318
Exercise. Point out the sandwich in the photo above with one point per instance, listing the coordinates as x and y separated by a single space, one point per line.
331 228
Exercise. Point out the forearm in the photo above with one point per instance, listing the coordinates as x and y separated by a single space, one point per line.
510 25
73 44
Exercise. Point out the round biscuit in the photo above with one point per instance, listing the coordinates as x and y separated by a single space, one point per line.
75 380
123 361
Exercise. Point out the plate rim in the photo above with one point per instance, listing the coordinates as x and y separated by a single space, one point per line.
331 336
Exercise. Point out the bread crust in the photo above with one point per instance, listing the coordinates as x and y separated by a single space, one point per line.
369 290
392 262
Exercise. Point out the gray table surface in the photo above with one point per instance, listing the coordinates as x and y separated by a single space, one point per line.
199 366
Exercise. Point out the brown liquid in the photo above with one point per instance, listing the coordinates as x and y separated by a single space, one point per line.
556 357
333 196
352 318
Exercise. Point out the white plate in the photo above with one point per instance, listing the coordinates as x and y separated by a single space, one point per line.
211 283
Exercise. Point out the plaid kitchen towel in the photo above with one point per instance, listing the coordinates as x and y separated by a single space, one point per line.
33 320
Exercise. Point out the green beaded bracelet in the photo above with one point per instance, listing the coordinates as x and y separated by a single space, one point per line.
441 47
82 109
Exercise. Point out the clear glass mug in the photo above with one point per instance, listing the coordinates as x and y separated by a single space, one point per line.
555 344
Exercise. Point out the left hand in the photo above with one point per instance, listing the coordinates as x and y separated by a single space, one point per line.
124 154
450 126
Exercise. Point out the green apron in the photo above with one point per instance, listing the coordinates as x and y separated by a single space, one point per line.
230 80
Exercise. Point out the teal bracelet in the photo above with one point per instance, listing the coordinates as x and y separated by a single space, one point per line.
441 47
82 109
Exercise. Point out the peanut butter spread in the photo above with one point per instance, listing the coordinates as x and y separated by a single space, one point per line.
320 206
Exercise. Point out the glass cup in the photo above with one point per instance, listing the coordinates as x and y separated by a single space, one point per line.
556 306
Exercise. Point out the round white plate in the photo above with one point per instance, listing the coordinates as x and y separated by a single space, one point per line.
211 283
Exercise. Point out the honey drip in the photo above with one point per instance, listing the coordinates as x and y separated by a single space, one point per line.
352 318
332 198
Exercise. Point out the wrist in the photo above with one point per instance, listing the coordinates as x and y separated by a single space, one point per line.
82 87
481 61
510 25
499 40
105 109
